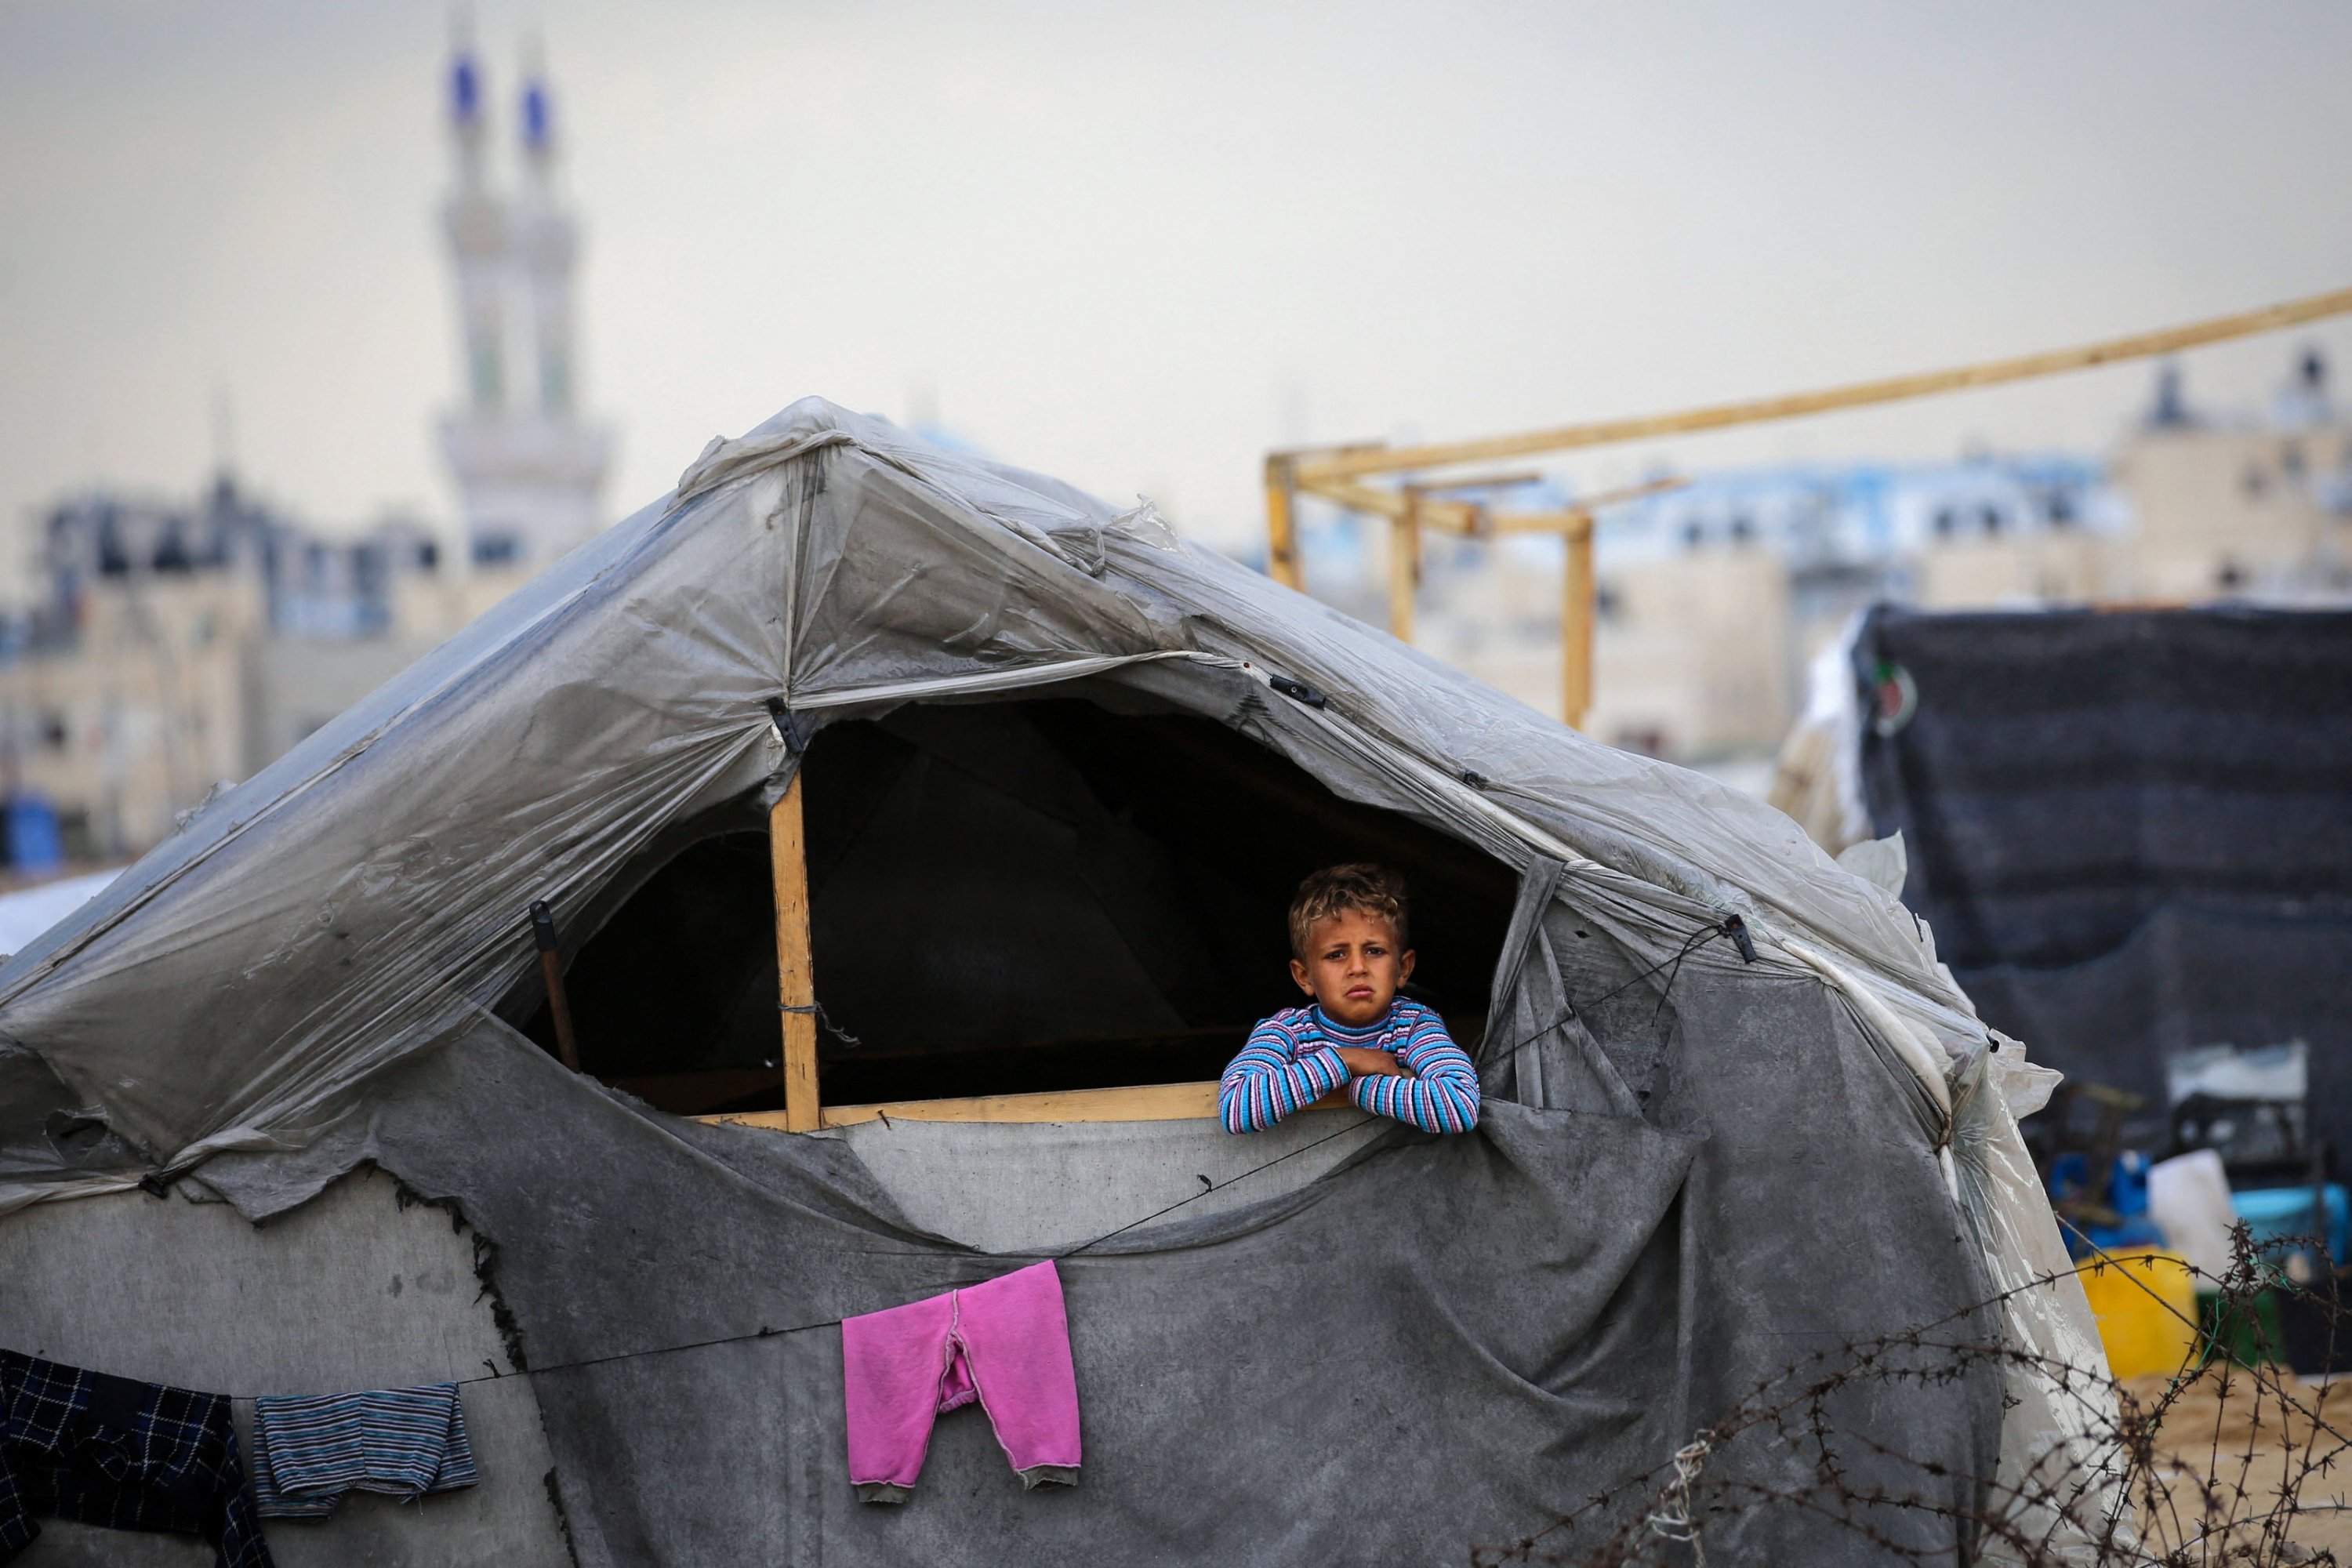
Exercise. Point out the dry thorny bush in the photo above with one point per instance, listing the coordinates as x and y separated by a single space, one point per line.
2231 1463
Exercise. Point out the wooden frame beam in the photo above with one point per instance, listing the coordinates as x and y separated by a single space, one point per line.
1404 565
1141 1102
1577 622
1282 523
795 970
1408 506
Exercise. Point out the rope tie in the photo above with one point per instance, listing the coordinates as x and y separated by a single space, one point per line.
817 1010
1671 1520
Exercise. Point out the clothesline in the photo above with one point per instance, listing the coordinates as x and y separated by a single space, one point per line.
1697 940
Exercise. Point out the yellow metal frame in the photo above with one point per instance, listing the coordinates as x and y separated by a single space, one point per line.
1337 474
1412 509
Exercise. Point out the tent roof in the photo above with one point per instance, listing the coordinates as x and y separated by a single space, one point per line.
362 896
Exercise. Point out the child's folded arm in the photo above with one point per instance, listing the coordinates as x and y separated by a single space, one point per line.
1266 1083
1442 1095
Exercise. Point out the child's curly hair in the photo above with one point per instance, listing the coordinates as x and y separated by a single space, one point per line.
1374 889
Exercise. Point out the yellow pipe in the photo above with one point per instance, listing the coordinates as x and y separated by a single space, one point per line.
1576 606
1338 464
1281 524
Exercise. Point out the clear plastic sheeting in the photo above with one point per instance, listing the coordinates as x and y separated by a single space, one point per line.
365 896
2058 1482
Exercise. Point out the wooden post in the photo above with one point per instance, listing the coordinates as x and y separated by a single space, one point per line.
1577 604
1282 561
1405 564
551 972
795 973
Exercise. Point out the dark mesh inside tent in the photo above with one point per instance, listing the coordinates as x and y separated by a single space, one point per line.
2132 832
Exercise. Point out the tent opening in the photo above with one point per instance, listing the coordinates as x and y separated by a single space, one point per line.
1008 899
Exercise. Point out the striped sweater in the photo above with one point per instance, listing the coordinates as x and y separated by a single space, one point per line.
1290 1062
308 1451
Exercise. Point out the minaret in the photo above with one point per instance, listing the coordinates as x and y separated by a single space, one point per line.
546 241
528 469
475 222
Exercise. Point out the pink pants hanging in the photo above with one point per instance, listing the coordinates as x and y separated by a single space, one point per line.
1005 1343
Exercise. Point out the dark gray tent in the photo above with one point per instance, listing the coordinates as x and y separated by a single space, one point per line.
2131 829
1060 769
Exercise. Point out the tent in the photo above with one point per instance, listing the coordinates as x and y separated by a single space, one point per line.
2131 829
1059 769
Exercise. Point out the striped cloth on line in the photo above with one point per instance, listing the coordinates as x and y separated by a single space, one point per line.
1292 1060
405 1442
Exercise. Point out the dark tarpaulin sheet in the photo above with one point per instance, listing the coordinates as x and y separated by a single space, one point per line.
2132 832
1445 1343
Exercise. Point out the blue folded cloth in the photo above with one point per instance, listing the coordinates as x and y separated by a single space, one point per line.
405 1442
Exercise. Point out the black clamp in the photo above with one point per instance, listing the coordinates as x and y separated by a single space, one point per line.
787 726
1736 930
1298 690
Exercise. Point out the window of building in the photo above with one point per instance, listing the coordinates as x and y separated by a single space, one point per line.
496 549
74 832
1027 898
171 552
1946 521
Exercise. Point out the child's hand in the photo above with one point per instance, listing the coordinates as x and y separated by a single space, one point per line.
1372 1064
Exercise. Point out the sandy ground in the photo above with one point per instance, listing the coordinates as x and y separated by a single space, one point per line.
2229 1451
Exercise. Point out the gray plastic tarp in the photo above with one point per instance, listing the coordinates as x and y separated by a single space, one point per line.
249 985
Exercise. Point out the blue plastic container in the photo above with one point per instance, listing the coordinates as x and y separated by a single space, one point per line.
2274 1214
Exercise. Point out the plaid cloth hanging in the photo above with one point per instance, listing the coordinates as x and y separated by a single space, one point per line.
406 1442
123 1454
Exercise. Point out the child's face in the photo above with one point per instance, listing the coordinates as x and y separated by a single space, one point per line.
1353 967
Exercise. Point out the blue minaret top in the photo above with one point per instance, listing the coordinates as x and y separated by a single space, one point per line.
538 116
465 89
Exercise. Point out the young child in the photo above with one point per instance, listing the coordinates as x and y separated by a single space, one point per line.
1349 953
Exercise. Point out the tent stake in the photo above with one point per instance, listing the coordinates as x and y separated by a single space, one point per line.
550 968
795 973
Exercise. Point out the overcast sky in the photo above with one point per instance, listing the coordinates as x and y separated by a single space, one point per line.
1135 246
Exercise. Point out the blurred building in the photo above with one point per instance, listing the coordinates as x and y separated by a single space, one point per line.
171 645
2255 506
